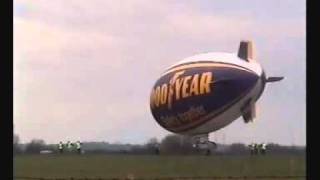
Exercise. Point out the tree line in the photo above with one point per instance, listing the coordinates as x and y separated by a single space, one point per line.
170 145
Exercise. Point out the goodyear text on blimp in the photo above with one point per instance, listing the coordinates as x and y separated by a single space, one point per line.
180 87
189 116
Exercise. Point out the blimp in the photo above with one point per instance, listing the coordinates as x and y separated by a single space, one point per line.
206 92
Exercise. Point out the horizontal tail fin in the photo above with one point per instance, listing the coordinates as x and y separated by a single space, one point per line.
274 79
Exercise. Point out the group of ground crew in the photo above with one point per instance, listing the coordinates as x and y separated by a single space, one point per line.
258 148
70 147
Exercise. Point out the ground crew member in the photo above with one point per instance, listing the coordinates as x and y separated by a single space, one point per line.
157 150
60 146
69 146
255 147
251 146
259 147
263 148
78 145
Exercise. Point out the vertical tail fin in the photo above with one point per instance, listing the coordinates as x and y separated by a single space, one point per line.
249 111
246 51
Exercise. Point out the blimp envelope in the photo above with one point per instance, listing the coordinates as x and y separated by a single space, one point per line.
206 92
189 94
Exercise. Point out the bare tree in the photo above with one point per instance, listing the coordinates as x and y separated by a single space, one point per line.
35 146
16 141
152 145
176 144
238 148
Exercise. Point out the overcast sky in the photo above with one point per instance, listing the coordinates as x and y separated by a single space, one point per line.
83 70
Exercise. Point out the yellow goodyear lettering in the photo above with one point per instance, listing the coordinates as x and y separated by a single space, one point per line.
194 87
174 81
205 81
178 83
180 88
157 97
185 86
164 93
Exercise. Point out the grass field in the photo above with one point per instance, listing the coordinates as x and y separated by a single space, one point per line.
143 166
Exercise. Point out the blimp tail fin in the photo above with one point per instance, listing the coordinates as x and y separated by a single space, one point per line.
249 111
274 79
246 51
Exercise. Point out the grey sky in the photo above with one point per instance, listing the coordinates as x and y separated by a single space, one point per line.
84 69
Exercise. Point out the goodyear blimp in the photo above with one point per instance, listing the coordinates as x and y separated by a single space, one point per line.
206 92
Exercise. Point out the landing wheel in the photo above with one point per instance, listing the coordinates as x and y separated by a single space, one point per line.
202 143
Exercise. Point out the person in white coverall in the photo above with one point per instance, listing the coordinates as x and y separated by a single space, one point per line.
60 146
69 146
263 148
78 146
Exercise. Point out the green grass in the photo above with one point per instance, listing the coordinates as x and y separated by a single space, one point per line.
106 166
